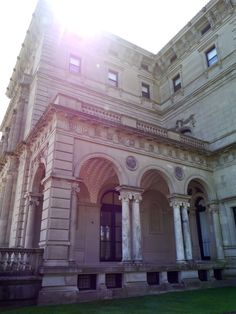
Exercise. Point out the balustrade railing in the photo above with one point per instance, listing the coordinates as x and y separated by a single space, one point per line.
20 261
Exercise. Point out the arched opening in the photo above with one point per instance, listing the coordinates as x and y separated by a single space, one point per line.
110 227
35 209
99 213
157 220
200 222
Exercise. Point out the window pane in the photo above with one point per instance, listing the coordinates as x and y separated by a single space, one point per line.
75 61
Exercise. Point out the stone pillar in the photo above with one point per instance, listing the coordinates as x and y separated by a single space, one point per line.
214 209
186 231
32 203
5 208
12 131
179 244
136 228
73 219
126 234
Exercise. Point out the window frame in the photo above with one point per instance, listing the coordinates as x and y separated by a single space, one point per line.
145 94
177 83
211 60
113 82
74 68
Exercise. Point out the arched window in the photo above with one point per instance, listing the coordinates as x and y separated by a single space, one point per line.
111 227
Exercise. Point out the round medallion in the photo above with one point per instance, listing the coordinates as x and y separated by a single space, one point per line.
179 173
131 163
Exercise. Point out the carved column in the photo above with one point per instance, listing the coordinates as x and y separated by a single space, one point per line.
29 234
136 228
125 196
73 219
186 231
179 244
214 209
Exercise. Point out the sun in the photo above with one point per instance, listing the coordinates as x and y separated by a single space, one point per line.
86 18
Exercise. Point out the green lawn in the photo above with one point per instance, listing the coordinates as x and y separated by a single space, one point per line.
219 300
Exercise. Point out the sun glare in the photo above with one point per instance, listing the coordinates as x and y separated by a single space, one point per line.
83 17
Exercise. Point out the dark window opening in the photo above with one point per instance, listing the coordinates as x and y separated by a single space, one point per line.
145 90
218 274
113 281
203 275
234 213
87 282
176 83
111 228
205 29
113 78
75 64
153 278
211 56
144 66
173 276
173 58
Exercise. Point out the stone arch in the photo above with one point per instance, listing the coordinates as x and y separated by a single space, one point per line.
35 207
157 218
163 173
120 172
200 219
211 195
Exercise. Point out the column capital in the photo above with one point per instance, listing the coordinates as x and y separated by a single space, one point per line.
130 192
75 189
177 200
213 207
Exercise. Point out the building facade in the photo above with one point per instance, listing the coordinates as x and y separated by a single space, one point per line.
119 164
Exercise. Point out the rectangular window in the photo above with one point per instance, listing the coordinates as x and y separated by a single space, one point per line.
145 90
113 78
144 66
205 29
211 56
75 64
173 58
176 83
234 213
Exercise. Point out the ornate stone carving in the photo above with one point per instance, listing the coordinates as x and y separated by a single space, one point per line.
179 173
131 163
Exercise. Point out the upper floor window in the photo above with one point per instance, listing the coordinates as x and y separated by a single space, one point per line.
211 56
173 58
145 90
74 64
144 66
234 213
205 29
113 78
176 83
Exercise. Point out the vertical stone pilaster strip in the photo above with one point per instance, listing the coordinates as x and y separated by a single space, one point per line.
6 201
179 244
126 234
214 209
73 219
186 231
136 228
30 223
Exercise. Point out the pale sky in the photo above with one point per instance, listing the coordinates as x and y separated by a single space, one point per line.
149 24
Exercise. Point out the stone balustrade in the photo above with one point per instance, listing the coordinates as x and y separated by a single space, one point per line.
20 261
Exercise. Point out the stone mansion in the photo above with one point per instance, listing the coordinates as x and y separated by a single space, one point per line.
117 165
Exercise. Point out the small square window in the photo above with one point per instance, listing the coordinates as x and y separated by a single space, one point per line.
176 83
75 64
145 90
144 66
211 56
113 78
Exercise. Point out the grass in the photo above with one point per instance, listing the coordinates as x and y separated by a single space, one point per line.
207 301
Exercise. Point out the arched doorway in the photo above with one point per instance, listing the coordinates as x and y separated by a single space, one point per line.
200 222
35 206
110 227
157 220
